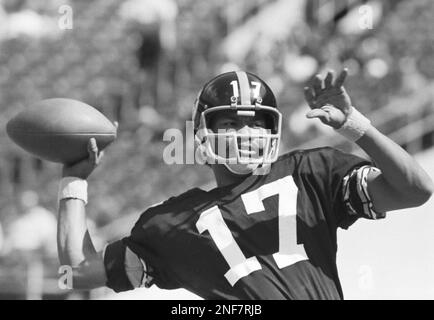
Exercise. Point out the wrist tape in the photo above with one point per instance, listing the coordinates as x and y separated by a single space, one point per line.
355 126
73 188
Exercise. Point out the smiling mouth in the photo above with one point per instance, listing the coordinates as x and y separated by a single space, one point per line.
247 153
250 150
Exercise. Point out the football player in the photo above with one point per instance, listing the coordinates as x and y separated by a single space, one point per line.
268 230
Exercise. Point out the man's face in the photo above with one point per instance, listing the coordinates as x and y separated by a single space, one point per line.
249 128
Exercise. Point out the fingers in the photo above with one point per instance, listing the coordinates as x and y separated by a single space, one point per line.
116 124
322 89
92 149
317 85
328 81
309 96
100 156
341 78
318 113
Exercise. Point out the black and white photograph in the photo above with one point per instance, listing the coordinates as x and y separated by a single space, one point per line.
192 151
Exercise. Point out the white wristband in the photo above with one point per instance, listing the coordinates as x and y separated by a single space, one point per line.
355 126
73 188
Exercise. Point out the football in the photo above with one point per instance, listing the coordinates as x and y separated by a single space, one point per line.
59 129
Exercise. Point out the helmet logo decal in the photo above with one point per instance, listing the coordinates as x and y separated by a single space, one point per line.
256 89
234 85
244 88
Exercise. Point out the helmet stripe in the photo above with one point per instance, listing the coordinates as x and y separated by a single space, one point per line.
244 88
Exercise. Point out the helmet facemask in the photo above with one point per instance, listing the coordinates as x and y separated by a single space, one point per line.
245 150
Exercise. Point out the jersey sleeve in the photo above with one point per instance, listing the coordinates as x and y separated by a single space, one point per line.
139 260
151 254
342 178
348 174
356 195
125 270
135 260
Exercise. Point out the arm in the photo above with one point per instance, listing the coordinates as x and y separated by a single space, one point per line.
402 183
75 247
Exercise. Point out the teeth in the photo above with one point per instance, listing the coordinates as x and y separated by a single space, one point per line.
253 146
256 143
249 148
249 155
247 152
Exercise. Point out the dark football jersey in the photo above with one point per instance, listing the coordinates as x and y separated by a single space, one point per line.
269 237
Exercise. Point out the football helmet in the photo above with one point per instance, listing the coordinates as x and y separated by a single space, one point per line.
241 94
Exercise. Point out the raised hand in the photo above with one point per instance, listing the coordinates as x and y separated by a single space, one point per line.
85 167
328 99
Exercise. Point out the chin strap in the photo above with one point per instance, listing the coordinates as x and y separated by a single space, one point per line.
233 169
260 170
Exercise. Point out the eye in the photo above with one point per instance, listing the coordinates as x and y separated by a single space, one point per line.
228 123
259 123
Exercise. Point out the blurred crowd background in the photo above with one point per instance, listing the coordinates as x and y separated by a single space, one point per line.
142 63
